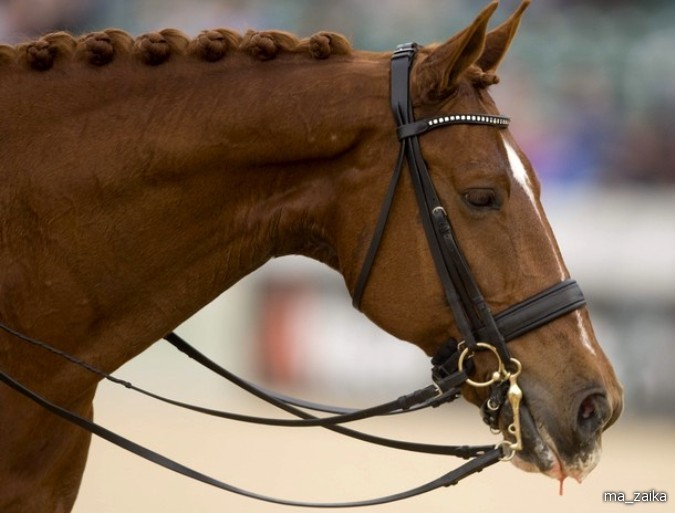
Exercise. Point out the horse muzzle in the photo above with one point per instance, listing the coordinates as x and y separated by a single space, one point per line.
561 445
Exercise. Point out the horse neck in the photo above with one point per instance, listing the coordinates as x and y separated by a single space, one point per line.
155 189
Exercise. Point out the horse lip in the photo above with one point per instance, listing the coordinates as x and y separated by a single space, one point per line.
537 454
540 453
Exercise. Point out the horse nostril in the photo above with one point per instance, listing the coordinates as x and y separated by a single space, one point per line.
587 409
594 411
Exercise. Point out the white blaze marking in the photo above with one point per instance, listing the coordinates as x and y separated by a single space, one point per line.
522 178
520 174
585 337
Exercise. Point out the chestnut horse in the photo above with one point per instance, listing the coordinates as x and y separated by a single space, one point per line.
142 178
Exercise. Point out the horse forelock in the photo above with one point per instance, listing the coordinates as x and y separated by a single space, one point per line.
154 48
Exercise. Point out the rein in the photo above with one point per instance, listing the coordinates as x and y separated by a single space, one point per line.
483 456
452 367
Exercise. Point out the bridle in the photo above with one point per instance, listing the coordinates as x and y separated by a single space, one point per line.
452 366
474 319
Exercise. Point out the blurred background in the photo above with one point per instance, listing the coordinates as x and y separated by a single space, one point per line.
589 87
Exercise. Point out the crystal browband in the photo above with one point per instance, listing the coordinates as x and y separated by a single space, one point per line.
424 125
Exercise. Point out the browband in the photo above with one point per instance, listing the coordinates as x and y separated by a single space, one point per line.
424 125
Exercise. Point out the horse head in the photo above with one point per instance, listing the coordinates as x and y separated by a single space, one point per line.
492 198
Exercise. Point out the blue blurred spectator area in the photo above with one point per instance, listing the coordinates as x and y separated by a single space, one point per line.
589 82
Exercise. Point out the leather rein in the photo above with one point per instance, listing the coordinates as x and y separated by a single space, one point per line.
452 367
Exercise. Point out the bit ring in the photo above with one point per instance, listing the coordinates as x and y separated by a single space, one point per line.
498 376
507 449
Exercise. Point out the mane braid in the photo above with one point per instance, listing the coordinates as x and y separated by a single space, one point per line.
100 48
155 48
213 45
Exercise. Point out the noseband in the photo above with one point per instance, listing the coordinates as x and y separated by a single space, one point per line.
452 366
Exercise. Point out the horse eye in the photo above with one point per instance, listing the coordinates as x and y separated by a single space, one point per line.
482 199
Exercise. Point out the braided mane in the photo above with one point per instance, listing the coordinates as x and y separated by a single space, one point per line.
155 48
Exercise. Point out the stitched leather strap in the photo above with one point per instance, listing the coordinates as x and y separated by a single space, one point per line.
379 231
540 309
475 465
450 384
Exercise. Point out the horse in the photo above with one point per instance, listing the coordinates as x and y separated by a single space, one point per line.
142 177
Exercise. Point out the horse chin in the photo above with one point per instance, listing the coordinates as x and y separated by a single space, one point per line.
541 455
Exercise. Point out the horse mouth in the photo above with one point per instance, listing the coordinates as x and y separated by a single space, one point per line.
541 454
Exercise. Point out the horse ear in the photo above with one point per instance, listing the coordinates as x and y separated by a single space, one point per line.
499 39
438 75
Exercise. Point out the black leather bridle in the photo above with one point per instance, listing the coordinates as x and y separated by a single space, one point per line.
475 321
452 367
